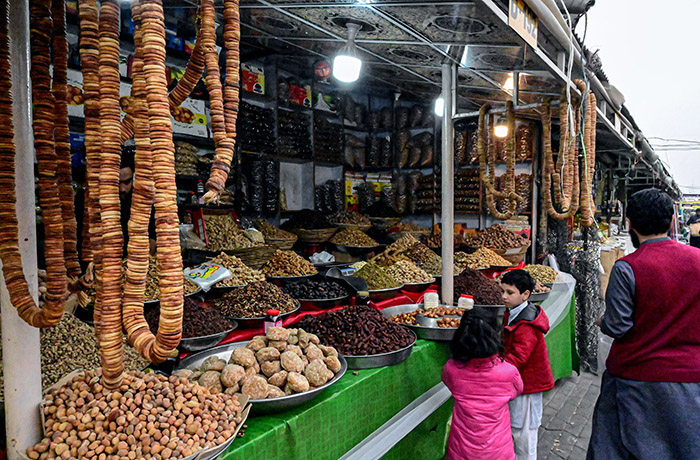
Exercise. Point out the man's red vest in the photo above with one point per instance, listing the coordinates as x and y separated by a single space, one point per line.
664 343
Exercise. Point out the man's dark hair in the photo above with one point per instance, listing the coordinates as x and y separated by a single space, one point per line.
650 211
127 159
477 336
520 279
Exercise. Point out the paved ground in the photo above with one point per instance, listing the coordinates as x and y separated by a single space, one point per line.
566 418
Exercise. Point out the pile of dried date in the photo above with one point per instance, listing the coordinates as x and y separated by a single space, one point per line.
253 301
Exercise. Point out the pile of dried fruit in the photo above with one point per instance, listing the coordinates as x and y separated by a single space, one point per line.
405 271
496 236
186 159
359 330
425 258
539 287
411 227
85 420
377 278
479 259
224 233
473 283
315 290
253 301
198 320
281 362
394 252
349 217
353 237
542 273
242 274
288 263
71 345
269 231
439 312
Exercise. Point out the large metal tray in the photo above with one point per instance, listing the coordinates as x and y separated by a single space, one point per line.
382 359
195 344
259 321
383 294
418 287
442 334
263 406
539 296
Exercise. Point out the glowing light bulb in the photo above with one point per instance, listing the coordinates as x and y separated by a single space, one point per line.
509 84
500 130
346 68
439 107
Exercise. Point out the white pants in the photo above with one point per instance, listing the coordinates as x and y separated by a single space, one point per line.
525 420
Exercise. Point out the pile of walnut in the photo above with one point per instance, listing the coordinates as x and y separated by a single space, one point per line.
281 362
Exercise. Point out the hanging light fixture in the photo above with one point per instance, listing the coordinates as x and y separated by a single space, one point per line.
501 128
439 107
346 64
509 84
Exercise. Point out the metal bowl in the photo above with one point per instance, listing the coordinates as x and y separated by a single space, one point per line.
195 344
442 334
282 280
417 287
539 296
357 250
251 323
383 294
382 359
263 406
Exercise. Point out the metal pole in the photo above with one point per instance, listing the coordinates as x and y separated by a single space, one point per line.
448 177
20 342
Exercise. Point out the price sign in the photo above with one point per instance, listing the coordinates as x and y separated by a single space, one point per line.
523 20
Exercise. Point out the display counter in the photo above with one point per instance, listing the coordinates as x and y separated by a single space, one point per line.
362 401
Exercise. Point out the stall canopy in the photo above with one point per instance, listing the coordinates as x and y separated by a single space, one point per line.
403 45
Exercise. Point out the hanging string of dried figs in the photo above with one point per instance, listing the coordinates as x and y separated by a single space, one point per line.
486 148
589 139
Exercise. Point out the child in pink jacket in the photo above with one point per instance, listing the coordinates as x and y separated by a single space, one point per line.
482 384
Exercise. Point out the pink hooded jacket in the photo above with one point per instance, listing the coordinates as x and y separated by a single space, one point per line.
481 389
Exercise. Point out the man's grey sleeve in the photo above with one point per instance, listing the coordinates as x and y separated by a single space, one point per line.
619 301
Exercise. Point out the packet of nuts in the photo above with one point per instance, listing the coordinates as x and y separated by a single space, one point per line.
207 274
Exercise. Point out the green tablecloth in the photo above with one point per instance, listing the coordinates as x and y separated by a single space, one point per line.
349 411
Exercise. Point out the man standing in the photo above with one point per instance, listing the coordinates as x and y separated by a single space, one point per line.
649 403
694 227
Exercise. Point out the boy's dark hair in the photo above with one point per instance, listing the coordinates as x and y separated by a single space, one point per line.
477 336
520 279
650 211
127 158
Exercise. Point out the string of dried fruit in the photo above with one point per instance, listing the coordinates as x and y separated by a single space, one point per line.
143 194
9 246
562 193
224 144
183 88
43 126
87 11
110 333
486 168
590 117
548 168
165 342
232 39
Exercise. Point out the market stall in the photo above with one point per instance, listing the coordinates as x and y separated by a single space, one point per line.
235 189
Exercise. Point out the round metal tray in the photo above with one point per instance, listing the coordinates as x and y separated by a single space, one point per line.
357 250
281 280
382 359
383 294
195 344
263 406
539 296
324 303
417 287
443 334
258 322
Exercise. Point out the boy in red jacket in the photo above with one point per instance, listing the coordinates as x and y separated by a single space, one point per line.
525 325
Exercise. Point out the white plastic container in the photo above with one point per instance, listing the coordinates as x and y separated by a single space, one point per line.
465 301
431 299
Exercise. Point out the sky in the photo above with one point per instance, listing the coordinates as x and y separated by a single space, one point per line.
649 53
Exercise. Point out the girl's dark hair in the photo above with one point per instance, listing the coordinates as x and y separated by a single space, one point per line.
650 211
477 336
520 279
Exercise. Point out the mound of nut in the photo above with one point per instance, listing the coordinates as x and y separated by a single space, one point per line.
405 271
442 313
353 237
148 417
224 233
542 273
477 260
241 273
280 363
253 301
288 263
